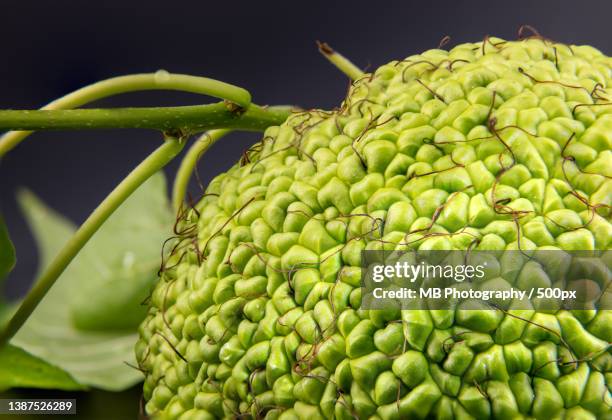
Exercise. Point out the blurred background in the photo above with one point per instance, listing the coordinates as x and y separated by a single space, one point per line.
51 48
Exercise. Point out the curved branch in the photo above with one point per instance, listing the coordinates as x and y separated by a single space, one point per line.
160 80
153 163
189 162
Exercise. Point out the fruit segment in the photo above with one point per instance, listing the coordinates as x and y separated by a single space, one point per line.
494 145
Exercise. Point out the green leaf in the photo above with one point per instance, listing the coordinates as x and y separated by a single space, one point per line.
7 251
7 309
122 260
7 263
20 369
87 322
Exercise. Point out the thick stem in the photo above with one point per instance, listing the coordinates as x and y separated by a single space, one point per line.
160 80
342 63
153 163
183 119
189 162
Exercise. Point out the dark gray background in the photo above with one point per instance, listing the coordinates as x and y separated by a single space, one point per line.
49 48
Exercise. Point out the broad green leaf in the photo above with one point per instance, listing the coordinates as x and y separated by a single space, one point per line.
122 260
87 322
7 251
7 263
7 309
20 369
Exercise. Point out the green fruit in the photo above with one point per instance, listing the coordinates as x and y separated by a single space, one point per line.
257 312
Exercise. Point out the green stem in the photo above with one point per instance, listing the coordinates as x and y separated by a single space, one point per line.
153 163
160 80
342 63
184 119
189 162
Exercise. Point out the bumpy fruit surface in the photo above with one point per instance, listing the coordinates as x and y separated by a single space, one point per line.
492 145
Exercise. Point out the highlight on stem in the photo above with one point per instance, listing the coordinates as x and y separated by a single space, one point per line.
235 110
342 63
